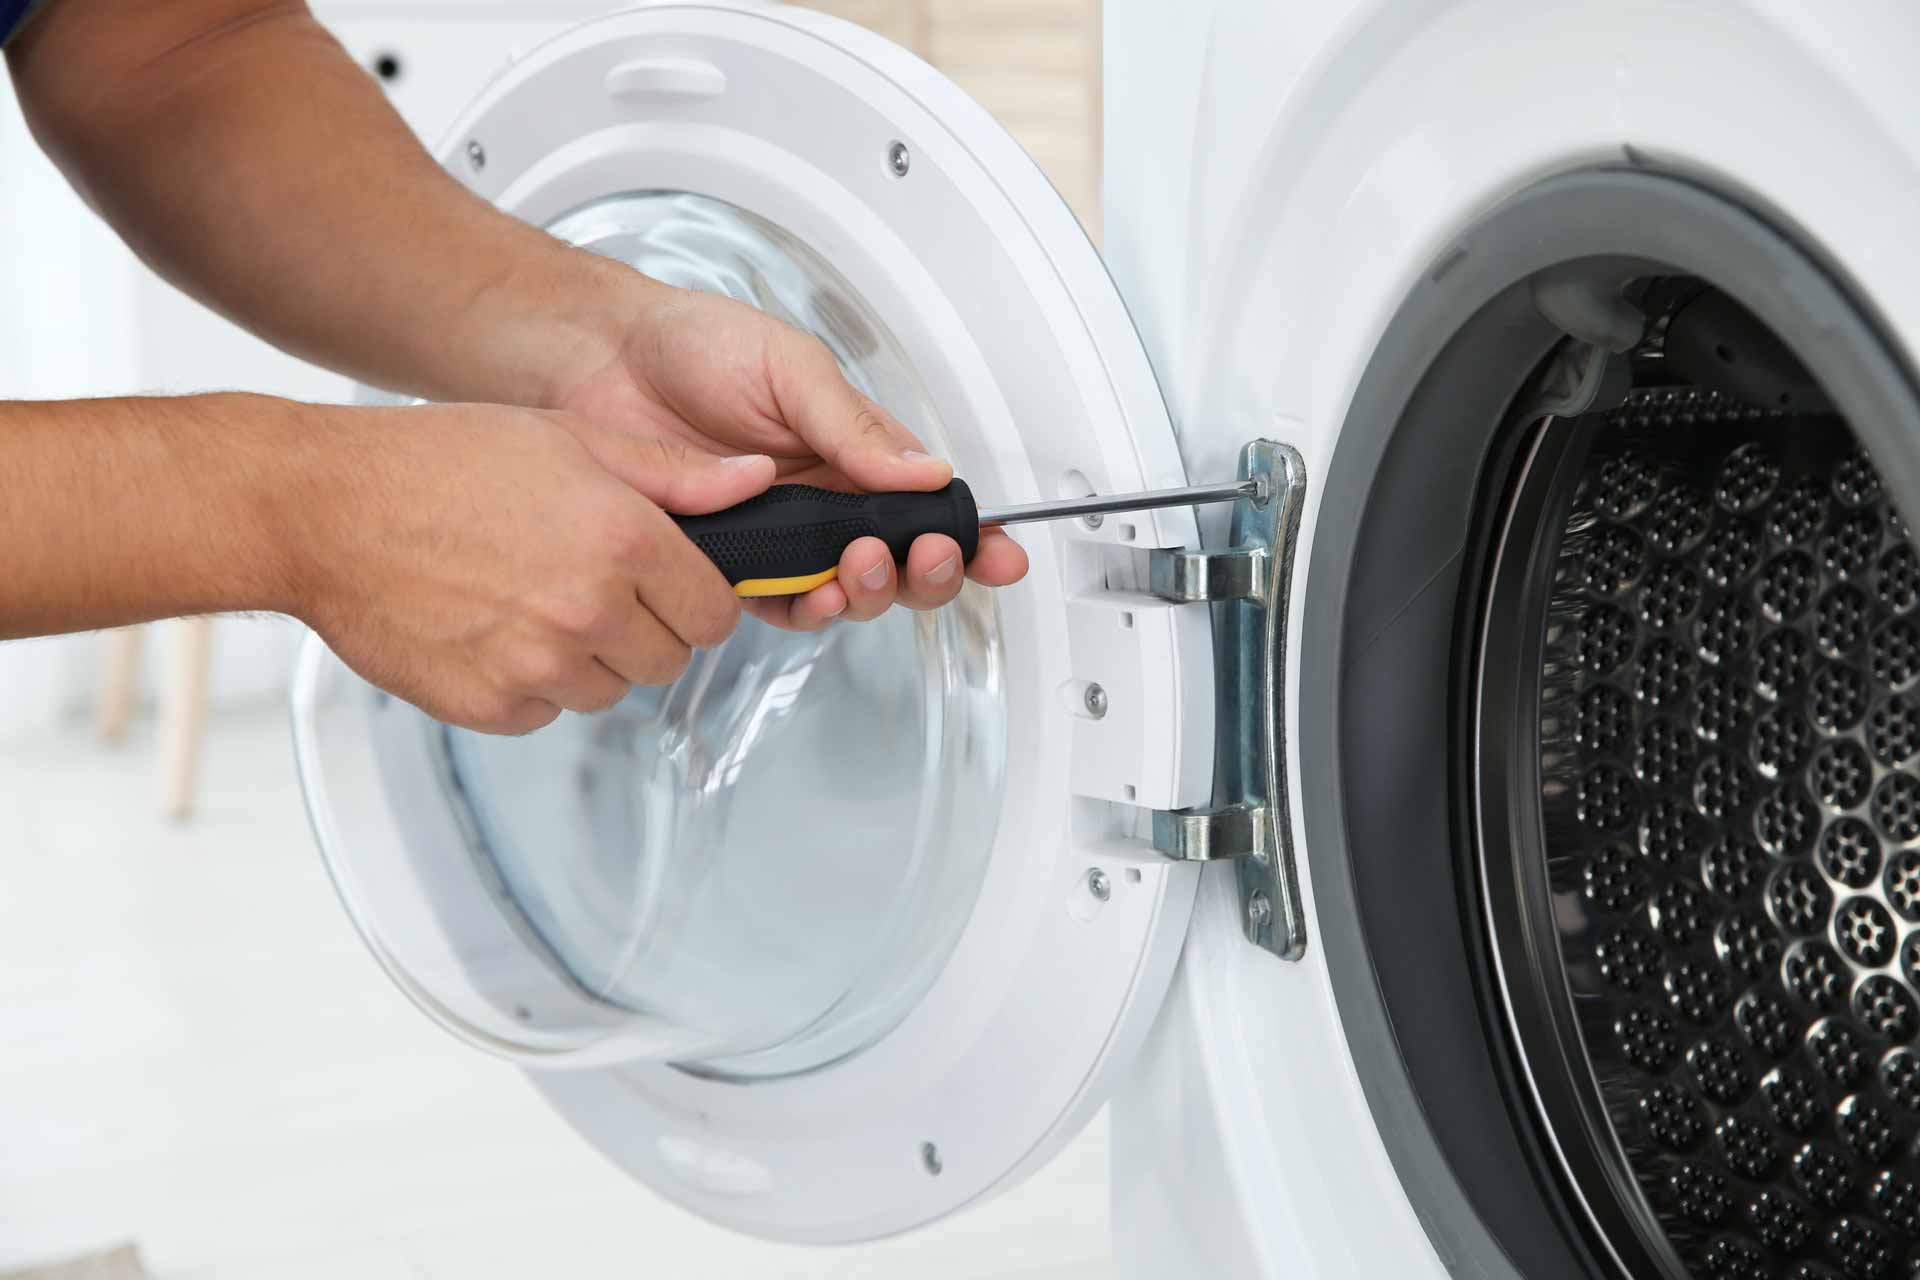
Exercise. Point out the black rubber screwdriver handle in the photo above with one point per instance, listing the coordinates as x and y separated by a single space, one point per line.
789 539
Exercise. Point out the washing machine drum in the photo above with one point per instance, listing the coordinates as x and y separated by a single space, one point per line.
1647 947
1726 809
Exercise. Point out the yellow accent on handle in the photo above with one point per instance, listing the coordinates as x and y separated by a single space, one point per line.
750 587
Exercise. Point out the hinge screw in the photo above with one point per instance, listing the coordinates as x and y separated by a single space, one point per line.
899 159
1098 885
1096 701
476 155
1259 912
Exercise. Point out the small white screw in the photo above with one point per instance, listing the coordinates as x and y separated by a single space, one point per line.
1093 521
1096 701
899 160
476 155
1098 885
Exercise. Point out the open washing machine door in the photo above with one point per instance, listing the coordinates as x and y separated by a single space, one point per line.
800 1010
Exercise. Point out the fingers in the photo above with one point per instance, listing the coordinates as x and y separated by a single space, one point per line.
932 576
867 577
675 582
862 441
869 583
807 612
672 473
587 686
933 573
524 716
999 562
646 652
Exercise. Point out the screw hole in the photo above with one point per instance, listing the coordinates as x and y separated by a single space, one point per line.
1126 620
1133 875
930 1159
1126 533
1128 791
1725 353
387 66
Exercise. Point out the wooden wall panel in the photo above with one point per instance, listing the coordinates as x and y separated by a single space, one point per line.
1035 64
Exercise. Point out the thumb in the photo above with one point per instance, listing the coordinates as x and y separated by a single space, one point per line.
861 440
679 478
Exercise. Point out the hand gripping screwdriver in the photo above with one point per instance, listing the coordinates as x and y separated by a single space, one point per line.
788 539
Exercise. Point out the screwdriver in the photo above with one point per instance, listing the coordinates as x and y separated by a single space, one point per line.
788 539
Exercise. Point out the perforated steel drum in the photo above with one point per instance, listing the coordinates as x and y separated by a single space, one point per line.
1698 751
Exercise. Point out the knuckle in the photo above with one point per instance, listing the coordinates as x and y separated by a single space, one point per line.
870 426
628 536
802 351
611 696
493 712
713 624
667 454
578 616
665 663
540 666
535 715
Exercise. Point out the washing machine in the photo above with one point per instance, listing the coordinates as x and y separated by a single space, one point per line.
1490 849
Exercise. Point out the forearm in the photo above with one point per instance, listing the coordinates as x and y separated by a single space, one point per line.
122 511
248 159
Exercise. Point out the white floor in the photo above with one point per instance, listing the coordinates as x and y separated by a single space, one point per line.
197 1055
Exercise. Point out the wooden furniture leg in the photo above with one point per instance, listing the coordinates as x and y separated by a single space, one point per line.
119 683
183 713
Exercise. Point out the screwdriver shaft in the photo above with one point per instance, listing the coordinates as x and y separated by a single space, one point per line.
1105 504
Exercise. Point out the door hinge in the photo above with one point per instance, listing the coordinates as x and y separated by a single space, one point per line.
1248 583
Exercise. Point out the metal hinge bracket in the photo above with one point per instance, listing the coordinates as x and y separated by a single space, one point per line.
1248 583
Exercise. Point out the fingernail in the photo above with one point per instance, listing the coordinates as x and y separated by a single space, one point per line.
941 574
744 460
914 455
837 610
875 578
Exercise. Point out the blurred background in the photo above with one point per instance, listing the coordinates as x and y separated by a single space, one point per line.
199 1057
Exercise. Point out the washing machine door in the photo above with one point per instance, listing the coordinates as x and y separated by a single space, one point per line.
841 930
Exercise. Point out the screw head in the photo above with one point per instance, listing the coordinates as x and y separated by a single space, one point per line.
899 159
1098 885
930 1159
476 155
1093 521
1096 701
1259 912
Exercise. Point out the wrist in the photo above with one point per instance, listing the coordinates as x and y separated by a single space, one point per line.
305 499
558 321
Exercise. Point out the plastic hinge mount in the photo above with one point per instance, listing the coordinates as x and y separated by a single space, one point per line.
1248 582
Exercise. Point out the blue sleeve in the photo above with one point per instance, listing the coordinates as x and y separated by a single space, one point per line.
14 15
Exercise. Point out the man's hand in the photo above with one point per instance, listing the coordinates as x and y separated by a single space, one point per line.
716 377
480 563
473 559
